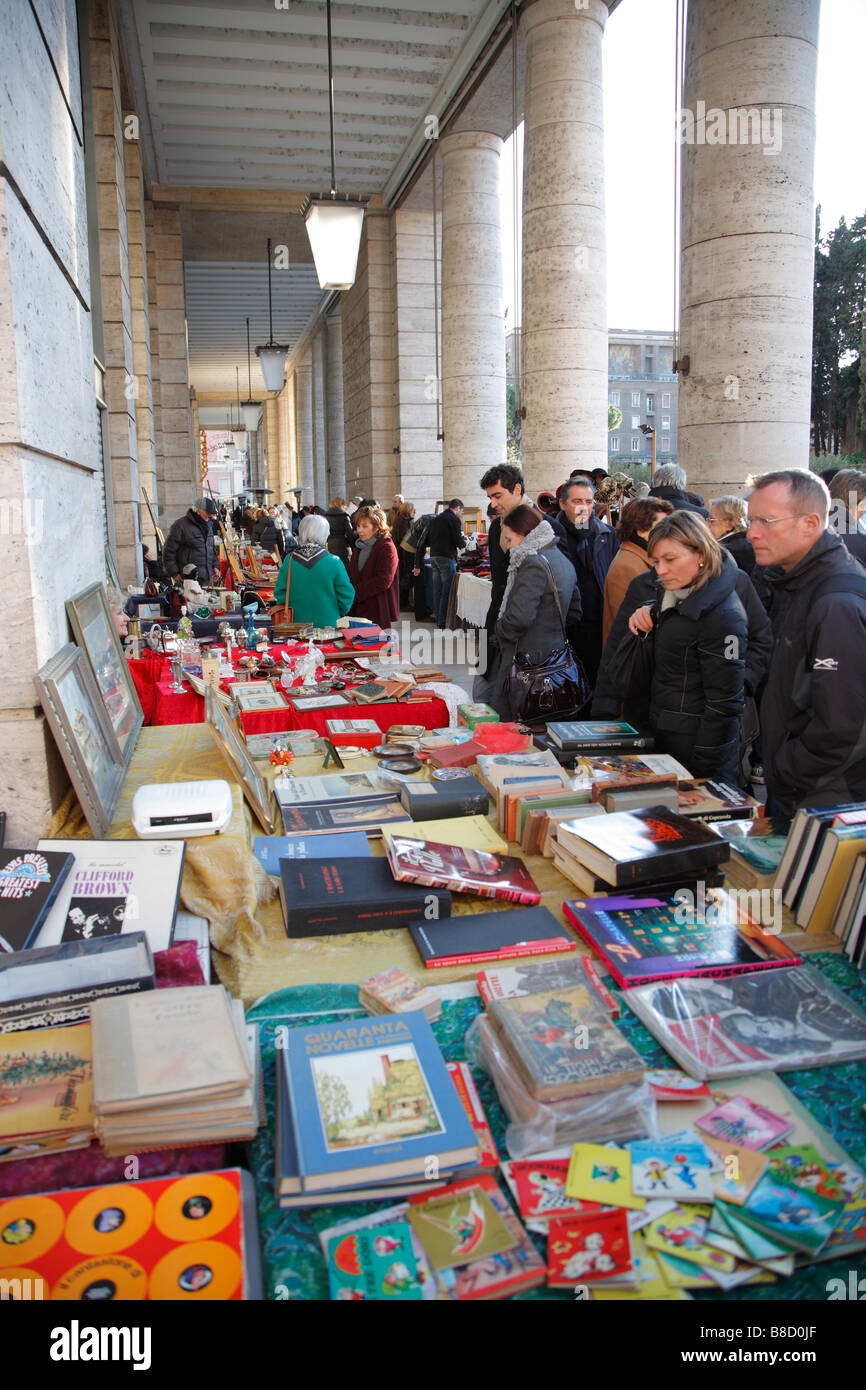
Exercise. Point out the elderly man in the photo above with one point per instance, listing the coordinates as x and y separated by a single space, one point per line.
190 542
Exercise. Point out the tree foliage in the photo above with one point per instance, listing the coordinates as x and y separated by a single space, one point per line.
838 384
614 417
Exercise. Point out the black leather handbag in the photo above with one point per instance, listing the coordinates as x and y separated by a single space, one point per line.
555 687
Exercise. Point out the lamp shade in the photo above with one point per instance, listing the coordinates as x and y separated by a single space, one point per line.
251 414
334 230
272 360
240 440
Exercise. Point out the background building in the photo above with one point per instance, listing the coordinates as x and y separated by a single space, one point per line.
642 382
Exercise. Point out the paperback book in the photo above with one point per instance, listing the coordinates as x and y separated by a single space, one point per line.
596 734
369 816
270 849
588 1247
538 976
462 870
485 936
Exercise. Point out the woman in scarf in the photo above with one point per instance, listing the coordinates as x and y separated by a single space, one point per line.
373 569
529 619
311 581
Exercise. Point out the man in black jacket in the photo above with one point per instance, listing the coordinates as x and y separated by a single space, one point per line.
503 484
590 545
813 710
445 537
190 542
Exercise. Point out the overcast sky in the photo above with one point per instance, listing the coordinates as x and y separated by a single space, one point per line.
639 151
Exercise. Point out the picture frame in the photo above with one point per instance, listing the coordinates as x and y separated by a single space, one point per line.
242 687
234 751
78 719
257 701
94 631
111 570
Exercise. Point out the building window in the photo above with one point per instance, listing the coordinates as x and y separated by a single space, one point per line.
666 443
635 422
666 422
614 446
666 400
635 444
650 405
635 399
614 398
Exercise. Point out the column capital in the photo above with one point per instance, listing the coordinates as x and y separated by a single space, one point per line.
537 12
471 140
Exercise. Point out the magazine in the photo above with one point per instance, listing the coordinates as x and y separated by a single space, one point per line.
777 1020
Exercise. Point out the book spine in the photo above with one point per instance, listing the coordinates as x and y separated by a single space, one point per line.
611 1004
533 948
707 972
669 862
605 745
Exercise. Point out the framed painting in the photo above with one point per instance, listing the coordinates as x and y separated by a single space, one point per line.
79 721
95 633
234 750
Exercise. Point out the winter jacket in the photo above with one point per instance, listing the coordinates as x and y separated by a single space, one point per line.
813 710
590 549
629 561
341 536
189 542
444 537
266 534
529 622
739 545
682 501
377 586
319 591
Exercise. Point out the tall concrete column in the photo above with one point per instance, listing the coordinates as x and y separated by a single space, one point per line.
180 474
287 405
320 433
270 422
336 486
121 387
473 327
304 430
564 272
416 277
748 143
155 380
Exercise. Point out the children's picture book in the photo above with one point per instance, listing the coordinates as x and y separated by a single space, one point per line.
597 1173
459 1225
504 1274
462 870
671 1084
563 1043
376 1264
591 1246
670 1168
650 1284
793 1216
742 1121
804 1165
330 1237
736 1170
680 1233
775 1020
649 939
394 992
488 1154
540 1187
534 977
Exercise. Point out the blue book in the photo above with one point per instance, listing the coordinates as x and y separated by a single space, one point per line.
270 849
373 1100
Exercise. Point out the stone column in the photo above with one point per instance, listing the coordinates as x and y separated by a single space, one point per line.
270 451
473 327
320 433
287 402
416 371
304 430
368 366
564 275
180 485
334 394
121 386
748 140
141 353
155 384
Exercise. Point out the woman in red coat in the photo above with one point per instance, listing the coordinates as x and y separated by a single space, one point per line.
373 569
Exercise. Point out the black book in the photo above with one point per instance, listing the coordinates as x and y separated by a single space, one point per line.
321 897
653 843
442 799
483 936
30 880
54 986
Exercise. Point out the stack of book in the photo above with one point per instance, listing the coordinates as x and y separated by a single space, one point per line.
364 1109
172 1067
597 736
395 992
45 1090
709 801
382 691
518 775
650 846
824 859
337 802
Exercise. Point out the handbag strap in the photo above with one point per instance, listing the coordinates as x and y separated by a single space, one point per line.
545 560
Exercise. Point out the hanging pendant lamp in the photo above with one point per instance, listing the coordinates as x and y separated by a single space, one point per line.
250 410
271 355
239 435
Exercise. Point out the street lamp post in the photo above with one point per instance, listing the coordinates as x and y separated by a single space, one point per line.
650 430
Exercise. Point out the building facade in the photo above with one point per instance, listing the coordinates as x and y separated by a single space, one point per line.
643 384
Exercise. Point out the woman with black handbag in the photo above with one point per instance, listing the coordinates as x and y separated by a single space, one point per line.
539 676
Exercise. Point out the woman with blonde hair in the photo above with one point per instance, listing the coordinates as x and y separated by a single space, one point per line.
729 522
699 634
373 569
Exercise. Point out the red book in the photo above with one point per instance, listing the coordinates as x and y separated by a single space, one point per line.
462 870
458 755
586 1249
488 1154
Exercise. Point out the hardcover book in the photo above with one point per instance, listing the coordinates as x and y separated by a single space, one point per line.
361 733
459 1224
30 882
353 815
596 734
320 897
437 800
462 870
270 849
649 940
116 886
483 936
333 788
507 1273
636 846
373 1100
563 1043
457 755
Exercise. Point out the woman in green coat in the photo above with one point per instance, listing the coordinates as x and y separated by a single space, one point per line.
311 581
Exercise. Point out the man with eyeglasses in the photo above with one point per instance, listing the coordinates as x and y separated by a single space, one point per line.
813 710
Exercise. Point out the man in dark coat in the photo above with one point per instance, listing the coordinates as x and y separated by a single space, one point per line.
813 710
504 486
590 545
190 542
670 482
445 537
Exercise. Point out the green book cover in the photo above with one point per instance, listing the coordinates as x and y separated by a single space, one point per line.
376 1264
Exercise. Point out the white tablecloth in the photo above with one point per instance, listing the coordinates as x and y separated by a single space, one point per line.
473 599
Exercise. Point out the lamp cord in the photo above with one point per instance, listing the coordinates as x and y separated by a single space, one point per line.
331 104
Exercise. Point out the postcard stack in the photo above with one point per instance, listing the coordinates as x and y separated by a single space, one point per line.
173 1067
46 1079
367 1109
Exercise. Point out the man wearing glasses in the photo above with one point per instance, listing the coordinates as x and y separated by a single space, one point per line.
813 711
